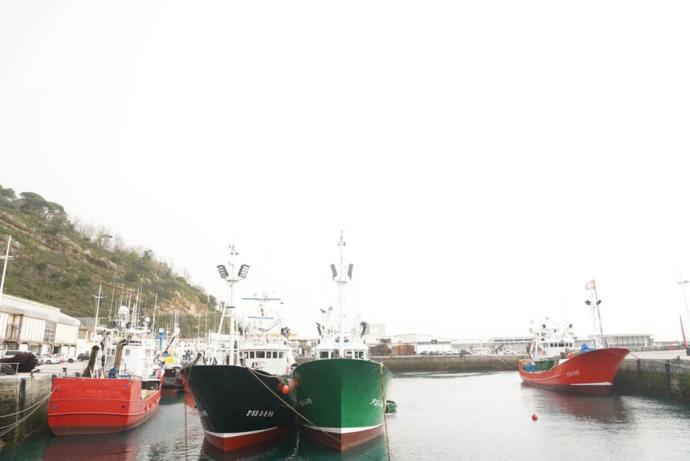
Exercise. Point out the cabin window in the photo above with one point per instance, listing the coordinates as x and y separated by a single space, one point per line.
323 355
260 355
281 355
561 345
251 354
128 352
335 354
360 354
348 354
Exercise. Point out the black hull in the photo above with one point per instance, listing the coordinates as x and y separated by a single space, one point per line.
238 407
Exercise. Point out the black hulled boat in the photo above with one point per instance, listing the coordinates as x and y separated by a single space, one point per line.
239 407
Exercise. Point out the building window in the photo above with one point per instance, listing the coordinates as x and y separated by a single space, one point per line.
49 332
14 324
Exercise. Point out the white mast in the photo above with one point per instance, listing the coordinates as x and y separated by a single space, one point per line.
682 284
598 331
98 306
341 278
4 266
231 278
341 286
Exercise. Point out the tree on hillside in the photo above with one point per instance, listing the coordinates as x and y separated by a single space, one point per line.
31 202
7 195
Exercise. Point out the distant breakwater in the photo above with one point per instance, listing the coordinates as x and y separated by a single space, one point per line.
445 363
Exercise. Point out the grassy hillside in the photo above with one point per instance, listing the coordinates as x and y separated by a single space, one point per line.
60 262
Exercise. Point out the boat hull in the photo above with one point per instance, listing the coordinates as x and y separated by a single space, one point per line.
342 401
87 406
591 372
238 407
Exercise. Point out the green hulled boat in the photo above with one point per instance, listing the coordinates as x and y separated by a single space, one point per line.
343 401
342 394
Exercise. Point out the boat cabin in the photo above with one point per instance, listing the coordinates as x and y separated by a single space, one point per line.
331 350
276 359
552 341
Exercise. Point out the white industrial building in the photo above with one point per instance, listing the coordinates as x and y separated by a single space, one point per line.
39 328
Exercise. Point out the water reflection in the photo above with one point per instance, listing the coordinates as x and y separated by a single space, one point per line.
171 396
102 448
296 447
601 409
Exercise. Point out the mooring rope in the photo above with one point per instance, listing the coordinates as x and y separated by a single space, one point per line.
184 404
383 409
27 408
23 418
294 410
665 362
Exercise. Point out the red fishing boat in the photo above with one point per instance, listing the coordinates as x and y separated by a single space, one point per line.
105 402
81 406
556 362
588 372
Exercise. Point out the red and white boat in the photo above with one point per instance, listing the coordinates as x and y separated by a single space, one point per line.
107 402
557 363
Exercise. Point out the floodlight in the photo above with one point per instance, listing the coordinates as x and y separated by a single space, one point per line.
222 271
335 272
244 270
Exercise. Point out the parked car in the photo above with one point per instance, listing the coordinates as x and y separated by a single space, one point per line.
10 353
50 359
83 356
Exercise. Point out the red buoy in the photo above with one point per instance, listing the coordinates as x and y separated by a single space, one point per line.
534 417
285 389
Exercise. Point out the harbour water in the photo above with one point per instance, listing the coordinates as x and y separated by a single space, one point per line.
440 417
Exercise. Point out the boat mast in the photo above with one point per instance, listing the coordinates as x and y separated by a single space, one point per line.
98 306
597 301
598 331
4 266
341 278
231 278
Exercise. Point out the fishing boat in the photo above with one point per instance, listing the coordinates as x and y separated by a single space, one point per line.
242 395
120 393
341 395
557 363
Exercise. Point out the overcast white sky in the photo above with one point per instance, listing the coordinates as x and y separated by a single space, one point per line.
485 158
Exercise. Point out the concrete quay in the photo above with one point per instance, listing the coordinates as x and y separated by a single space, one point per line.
23 406
663 374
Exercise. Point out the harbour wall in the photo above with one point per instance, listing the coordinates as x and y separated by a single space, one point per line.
655 378
23 406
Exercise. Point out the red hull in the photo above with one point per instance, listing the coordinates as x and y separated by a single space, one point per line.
229 442
342 442
86 406
590 372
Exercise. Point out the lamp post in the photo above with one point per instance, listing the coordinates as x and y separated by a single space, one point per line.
7 257
682 284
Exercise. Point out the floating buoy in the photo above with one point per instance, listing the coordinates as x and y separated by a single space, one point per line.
285 389
534 417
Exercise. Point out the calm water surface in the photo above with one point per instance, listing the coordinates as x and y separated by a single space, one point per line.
440 416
